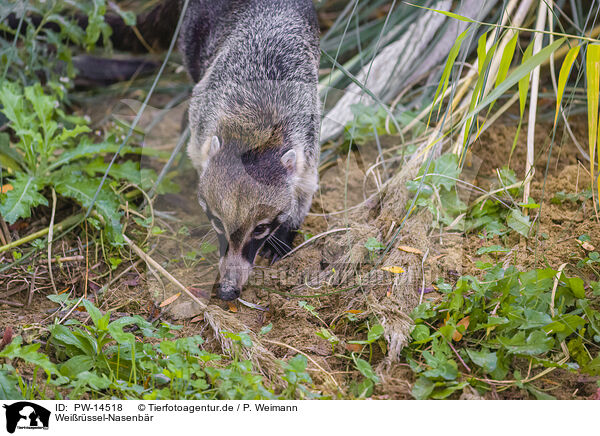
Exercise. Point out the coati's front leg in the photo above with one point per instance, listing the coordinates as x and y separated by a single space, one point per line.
279 243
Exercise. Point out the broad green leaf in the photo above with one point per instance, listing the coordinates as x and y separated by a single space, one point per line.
493 249
266 329
22 198
64 336
440 365
420 333
446 165
365 369
115 329
375 333
518 222
563 76
448 389
9 386
373 244
82 189
128 170
93 311
534 319
565 326
539 395
577 286
535 344
94 381
422 388
75 365
168 347
485 359
28 353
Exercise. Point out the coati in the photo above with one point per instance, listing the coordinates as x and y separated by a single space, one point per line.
254 122
254 116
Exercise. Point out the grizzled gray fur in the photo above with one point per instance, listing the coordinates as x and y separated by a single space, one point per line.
254 119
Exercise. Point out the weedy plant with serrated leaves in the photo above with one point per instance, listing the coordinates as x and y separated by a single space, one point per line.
54 150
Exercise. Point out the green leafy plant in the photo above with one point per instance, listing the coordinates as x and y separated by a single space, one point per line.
46 47
482 330
107 360
53 150
437 191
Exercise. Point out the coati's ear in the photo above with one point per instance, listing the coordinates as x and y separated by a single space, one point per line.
288 160
215 145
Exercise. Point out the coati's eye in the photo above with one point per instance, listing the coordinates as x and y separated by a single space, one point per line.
260 231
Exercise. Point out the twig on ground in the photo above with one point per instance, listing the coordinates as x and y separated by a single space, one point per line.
320 235
57 227
163 271
32 287
540 25
50 237
3 231
11 303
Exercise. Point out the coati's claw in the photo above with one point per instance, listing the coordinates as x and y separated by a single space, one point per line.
274 258
279 244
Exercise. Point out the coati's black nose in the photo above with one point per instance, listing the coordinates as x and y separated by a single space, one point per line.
227 292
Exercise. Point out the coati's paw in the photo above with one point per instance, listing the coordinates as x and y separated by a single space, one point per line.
278 244
268 252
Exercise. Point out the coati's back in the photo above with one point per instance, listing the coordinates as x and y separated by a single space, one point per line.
254 119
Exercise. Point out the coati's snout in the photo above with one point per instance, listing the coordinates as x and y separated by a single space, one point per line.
234 271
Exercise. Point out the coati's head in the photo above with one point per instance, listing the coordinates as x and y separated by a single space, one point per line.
247 194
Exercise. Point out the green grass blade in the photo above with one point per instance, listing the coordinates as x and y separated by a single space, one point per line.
563 76
524 81
483 63
443 85
592 69
519 73
506 59
481 52
446 13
